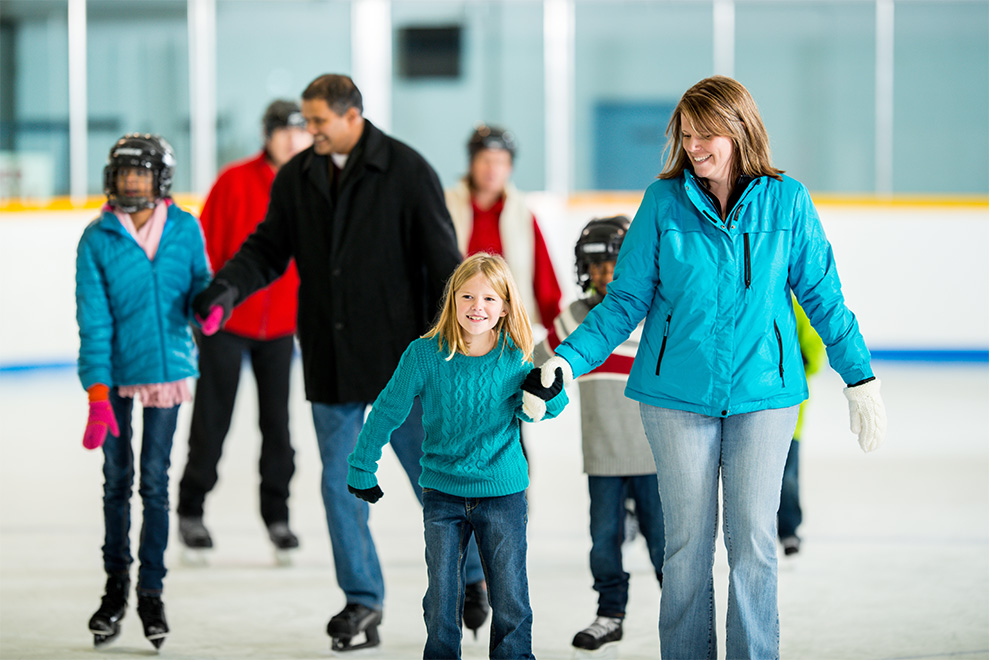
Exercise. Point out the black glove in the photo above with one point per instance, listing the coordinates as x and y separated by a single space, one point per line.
219 293
371 495
534 386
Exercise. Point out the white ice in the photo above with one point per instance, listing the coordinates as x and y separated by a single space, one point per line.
894 563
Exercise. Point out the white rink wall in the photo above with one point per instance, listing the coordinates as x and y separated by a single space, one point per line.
916 275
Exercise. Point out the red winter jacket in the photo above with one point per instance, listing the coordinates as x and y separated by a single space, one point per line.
237 203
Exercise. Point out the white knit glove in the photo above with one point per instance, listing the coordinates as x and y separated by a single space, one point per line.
533 405
867 415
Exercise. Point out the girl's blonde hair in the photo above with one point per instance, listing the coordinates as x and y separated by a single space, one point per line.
721 106
515 323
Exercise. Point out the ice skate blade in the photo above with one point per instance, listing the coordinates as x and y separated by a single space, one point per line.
343 644
102 640
607 651
195 557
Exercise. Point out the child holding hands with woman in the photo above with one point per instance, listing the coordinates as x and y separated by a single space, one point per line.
467 370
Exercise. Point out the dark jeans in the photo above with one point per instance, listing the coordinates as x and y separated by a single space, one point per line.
220 358
118 473
789 513
499 525
608 517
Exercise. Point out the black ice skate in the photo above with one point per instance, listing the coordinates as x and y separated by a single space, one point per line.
105 623
604 630
476 606
284 541
350 622
196 540
152 613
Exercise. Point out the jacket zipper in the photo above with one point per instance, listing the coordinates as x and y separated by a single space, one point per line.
748 272
663 344
780 351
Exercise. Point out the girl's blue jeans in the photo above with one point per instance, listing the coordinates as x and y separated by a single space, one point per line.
608 529
692 452
499 525
118 473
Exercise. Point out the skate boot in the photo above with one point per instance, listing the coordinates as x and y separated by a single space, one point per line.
105 623
152 613
604 630
351 621
476 606
284 541
196 540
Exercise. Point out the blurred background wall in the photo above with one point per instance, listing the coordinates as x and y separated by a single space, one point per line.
879 106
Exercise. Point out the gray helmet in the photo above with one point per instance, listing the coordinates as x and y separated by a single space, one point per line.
600 241
280 114
142 150
491 137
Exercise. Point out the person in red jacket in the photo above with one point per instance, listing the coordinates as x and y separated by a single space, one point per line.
262 327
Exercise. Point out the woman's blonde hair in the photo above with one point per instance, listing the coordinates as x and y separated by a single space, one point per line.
515 323
721 106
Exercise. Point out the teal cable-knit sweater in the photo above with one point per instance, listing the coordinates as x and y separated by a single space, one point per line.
470 406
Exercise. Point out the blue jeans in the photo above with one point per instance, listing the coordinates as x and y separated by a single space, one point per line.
789 514
499 524
608 516
691 451
118 474
359 573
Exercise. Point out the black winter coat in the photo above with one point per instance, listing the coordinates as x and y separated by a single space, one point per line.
372 267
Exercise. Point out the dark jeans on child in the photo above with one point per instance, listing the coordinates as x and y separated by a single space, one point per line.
608 518
118 472
499 526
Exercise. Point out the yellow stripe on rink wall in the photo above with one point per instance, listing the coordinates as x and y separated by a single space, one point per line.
578 200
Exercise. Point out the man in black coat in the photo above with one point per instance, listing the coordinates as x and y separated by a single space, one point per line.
364 217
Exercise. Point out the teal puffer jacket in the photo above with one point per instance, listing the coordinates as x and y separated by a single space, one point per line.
720 335
134 314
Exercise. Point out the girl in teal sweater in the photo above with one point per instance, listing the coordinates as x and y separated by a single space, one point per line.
468 371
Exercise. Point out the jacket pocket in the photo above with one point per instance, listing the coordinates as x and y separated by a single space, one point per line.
780 353
747 268
663 344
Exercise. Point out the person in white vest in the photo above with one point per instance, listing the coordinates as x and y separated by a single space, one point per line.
490 215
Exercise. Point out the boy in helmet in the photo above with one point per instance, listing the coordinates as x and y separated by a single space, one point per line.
262 327
617 455
138 267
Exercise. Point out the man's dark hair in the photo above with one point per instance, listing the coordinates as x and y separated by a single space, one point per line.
337 90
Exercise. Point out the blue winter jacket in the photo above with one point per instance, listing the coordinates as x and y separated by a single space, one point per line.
720 335
134 313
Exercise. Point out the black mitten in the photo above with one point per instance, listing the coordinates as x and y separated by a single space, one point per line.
534 386
371 495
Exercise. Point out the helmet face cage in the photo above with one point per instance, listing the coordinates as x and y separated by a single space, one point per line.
140 150
600 241
491 137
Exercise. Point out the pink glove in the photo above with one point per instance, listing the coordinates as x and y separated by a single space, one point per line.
101 418
212 322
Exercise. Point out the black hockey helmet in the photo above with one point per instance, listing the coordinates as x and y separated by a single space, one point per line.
281 114
600 240
139 150
491 137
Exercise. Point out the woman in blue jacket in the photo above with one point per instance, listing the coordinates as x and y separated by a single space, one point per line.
138 267
718 244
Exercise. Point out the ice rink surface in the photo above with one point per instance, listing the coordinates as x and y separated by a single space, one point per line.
894 563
